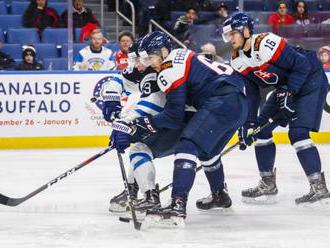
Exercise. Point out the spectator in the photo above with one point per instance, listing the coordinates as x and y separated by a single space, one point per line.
125 41
40 16
30 62
210 52
95 57
80 14
281 17
182 24
300 13
221 15
6 62
324 54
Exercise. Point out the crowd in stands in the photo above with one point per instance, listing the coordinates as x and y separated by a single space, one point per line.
196 23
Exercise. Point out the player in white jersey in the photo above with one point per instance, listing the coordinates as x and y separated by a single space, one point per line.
137 80
95 57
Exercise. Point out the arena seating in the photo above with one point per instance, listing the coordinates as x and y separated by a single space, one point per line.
53 44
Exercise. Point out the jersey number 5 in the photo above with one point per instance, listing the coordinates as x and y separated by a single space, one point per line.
216 66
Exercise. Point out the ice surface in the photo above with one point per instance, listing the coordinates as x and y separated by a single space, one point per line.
73 213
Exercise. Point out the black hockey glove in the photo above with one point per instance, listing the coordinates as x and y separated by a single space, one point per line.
143 128
120 137
284 100
244 135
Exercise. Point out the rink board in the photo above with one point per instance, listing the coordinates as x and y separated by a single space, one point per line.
54 110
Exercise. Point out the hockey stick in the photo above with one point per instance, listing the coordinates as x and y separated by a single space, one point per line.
230 148
137 224
8 201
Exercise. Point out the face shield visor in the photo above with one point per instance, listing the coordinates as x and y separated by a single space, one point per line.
228 30
132 59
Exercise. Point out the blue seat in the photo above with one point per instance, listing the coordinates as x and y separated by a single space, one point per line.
18 8
56 63
23 35
55 35
205 16
325 30
113 46
10 21
59 7
76 48
325 5
253 5
1 35
3 8
77 32
14 50
45 50
262 28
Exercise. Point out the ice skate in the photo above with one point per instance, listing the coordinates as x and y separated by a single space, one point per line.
217 200
150 201
171 216
264 193
318 192
119 204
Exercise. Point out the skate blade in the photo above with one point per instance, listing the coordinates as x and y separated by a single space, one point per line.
261 200
216 210
159 222
320 204
116 208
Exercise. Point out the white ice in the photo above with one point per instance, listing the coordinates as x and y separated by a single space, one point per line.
74 212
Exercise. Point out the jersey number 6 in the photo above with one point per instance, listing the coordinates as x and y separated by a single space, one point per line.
216 66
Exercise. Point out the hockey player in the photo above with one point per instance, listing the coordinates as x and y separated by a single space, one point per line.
140 80
300 90
95 57
217 95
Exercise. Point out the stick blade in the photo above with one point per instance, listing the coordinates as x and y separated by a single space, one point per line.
11 202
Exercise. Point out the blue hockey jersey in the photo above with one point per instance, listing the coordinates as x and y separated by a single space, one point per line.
188 78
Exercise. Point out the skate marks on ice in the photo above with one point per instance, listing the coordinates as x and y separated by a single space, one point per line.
75 213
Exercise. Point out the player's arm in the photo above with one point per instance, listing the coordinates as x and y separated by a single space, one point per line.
275 50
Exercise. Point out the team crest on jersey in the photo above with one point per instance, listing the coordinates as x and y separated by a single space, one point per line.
267 77
98 92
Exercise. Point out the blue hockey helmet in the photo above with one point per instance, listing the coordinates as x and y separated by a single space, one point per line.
154 42
237 22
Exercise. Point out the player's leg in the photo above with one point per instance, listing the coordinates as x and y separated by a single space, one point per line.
204 134
309 108
265 151
119 203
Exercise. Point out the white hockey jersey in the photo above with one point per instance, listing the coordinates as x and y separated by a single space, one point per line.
87 59
144 95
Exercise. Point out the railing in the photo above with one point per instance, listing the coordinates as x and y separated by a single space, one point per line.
153 22
120 14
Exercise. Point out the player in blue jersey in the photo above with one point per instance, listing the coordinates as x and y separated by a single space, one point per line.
300 91
217 94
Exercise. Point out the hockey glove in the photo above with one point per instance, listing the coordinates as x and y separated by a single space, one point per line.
112 107
245 136
121 136
143 128
284 100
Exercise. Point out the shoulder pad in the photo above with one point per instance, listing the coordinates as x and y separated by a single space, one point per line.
258 40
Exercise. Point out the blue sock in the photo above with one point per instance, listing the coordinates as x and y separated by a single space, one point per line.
265 151
307 153
214 173
184 169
